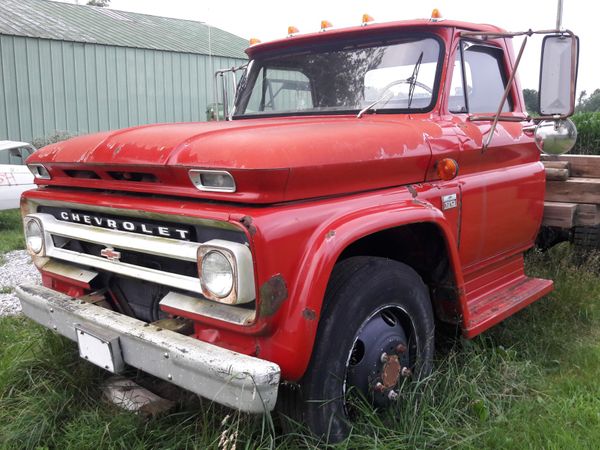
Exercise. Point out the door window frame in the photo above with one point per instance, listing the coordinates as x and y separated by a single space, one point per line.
459 50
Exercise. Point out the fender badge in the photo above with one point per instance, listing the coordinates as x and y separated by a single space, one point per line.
110 253
448 202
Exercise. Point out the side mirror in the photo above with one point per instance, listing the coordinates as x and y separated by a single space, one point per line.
555 137
558 75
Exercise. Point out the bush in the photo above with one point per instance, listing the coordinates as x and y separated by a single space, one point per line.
588 133
52 139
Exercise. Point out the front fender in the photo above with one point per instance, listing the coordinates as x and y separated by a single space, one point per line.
300 316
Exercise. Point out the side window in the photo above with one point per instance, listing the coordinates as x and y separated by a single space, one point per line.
280 90
485 79
456 100
27 152
16 157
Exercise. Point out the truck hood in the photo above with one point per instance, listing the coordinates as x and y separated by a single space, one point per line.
270 159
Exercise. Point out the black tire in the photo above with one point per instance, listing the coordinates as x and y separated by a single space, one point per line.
361 290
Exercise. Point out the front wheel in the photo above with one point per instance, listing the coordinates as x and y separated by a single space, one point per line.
376 329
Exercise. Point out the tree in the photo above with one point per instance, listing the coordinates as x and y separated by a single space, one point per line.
591 103
531 101
100 3
581 99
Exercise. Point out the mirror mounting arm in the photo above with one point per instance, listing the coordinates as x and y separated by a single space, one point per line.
504 96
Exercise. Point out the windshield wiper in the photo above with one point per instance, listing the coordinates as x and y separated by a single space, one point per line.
413 80
387 95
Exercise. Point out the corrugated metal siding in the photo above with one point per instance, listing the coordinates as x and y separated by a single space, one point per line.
48 86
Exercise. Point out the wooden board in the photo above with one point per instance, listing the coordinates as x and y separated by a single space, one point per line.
587 215
560 215
584 166
556 174
574 190
556 164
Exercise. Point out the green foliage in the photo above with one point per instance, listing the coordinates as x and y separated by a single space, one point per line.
530 382
11 231
589 104
588 133
532 103
100 3
52 139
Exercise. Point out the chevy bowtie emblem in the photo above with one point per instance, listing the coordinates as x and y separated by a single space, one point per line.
110 253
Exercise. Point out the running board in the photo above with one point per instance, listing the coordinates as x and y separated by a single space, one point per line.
486 311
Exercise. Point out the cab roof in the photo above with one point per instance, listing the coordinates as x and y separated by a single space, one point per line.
359 30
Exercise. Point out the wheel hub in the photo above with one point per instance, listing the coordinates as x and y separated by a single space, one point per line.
379 358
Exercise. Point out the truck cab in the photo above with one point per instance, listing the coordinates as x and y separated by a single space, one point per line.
367 187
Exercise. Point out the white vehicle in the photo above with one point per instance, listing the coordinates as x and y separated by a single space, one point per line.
15 177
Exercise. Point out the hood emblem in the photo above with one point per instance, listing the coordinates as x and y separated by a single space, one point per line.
111 254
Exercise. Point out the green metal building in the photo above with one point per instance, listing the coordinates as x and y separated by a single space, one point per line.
81 69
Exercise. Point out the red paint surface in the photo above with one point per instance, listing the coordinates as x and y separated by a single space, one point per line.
315 185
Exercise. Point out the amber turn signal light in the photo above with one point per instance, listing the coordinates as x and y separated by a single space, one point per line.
254 41
436 14
292 30
366 19
447 169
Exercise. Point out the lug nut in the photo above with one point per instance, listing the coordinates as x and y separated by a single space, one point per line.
384 357
393 395
379 387
406 372
400 348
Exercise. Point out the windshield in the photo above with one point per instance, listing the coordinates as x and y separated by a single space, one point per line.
398 75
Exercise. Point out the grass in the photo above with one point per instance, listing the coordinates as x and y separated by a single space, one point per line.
11 231
530 382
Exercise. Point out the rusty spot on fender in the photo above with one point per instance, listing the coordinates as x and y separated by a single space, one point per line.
247 222
330 234
309 314
272 294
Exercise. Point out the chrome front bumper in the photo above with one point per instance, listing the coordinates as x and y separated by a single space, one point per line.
239 381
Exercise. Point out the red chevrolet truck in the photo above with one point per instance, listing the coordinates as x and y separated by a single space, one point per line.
371 182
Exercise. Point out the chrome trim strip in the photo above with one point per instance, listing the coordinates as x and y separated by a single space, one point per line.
207 308
69 271
239 381
170 279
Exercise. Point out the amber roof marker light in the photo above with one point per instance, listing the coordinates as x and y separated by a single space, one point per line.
292 30
436 15
367 19
326 24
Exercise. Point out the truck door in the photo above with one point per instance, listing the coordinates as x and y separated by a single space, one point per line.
502 186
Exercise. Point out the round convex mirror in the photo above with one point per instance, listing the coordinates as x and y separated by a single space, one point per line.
555 137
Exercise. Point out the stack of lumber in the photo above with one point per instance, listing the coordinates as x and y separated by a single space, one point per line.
572 191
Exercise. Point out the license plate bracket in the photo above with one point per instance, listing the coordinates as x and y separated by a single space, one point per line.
100 347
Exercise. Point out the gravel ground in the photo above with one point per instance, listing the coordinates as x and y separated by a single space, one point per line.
17 269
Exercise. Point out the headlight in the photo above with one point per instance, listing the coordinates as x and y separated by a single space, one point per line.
226 272
34 235
217 274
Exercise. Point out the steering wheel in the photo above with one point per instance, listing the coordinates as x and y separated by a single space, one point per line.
409 82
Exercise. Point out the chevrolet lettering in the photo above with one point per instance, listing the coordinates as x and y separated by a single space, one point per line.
125 225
